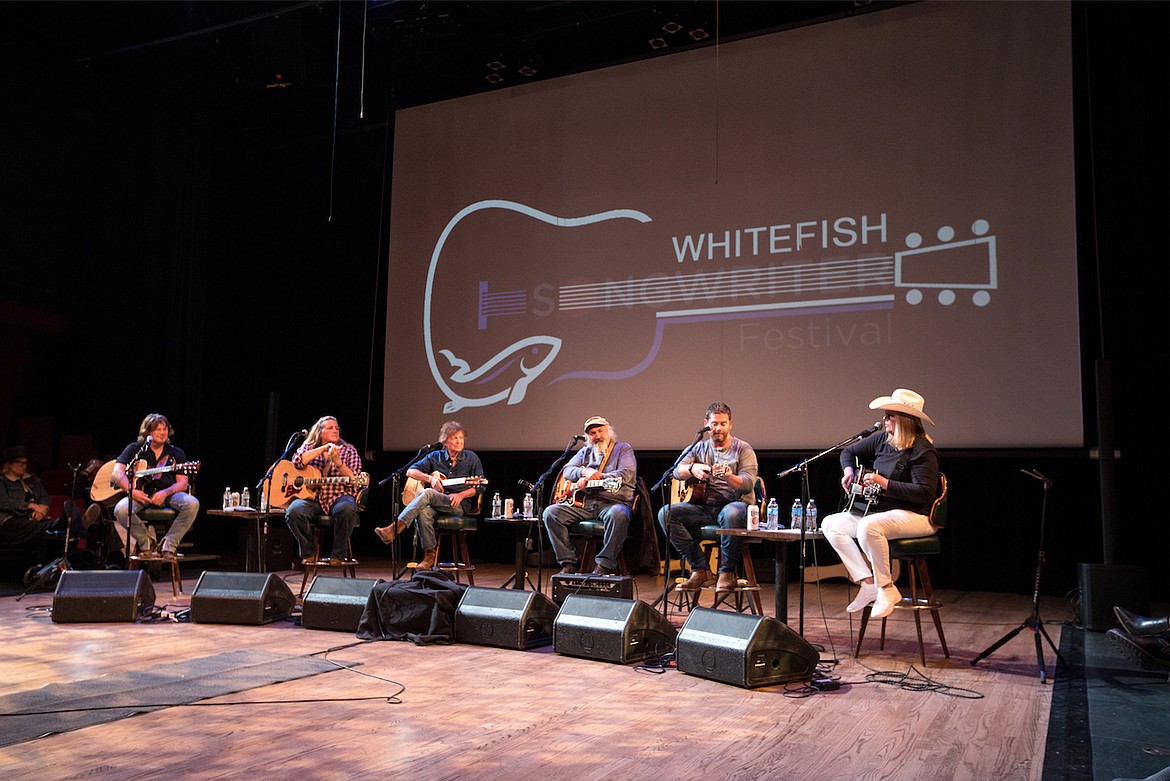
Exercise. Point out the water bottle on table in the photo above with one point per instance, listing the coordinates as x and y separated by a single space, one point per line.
797 515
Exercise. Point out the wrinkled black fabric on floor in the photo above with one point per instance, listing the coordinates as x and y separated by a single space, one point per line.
421 610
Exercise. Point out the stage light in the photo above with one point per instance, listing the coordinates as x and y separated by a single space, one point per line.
657 43
699 34
670 28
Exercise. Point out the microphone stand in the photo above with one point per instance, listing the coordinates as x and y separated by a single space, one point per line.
264 489
538 498
802 467
131 468
53 570
396 502
664 598
1033 622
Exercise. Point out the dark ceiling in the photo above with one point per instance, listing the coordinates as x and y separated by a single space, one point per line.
390 54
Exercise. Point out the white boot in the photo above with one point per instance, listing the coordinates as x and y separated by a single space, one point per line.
887 597
866 593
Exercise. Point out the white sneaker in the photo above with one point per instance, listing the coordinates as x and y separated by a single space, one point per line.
866 593
887 597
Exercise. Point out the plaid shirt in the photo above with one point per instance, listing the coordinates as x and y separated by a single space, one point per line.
328 493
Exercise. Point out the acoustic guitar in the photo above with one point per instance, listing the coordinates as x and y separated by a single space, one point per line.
415 487
104 490
868 493
567 492
290 483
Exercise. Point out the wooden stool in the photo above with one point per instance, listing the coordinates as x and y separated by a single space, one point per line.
138 561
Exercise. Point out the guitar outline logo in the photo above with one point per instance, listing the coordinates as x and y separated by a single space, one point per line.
515 353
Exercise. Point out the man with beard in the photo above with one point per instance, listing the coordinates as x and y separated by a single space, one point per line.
723 471
586 496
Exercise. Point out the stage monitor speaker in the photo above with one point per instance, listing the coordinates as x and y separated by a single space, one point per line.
611 630
743 650
336 603
85 596
504 617
1106 585
240 598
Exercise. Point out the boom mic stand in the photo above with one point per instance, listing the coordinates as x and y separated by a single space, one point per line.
396 503
1033 622
664 597
264 488
538 506
802 467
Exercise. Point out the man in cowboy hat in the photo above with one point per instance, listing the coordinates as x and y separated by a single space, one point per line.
903 485
24 506
586 497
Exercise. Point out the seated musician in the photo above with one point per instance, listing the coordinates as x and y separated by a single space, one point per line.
164 489
902 486
586 497
452 462
722 471
324 449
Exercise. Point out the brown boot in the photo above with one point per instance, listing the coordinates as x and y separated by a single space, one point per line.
726 583
430 558
698 579
387 533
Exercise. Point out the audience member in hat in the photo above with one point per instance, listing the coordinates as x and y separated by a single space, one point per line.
905 479
24 506
583 495
723 471
452 462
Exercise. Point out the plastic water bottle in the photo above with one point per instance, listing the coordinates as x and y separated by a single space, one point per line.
246 497
810 516
797 514
528 505
497 506
773 522
227 498
263 502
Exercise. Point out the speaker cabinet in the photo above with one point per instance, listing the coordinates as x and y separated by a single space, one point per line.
1106 585
85 596
336 603
611 630
240 598
504 617
743 650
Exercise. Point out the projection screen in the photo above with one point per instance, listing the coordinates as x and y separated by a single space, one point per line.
793 224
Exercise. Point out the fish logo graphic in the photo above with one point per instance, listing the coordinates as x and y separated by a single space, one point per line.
512 358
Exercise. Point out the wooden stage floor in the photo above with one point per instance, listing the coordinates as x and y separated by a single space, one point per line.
475 712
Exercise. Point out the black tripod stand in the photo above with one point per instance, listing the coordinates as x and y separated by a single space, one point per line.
1033 622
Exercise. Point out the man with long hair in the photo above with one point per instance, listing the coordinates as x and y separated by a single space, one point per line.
165 489
325 450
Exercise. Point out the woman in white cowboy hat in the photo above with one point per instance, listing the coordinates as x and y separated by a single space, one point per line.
902 486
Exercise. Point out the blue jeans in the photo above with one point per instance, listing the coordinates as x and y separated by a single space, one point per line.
684 517
615 517
423 509
302 512
187 507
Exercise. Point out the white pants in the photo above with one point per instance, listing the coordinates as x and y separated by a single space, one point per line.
873 532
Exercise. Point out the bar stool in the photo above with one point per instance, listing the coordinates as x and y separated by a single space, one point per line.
915 551
321 525
454 529
152 517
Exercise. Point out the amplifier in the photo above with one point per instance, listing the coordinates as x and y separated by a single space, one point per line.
616 586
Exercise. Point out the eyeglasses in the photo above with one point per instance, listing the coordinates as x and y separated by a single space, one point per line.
889 416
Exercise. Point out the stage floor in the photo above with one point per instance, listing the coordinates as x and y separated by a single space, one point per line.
465 711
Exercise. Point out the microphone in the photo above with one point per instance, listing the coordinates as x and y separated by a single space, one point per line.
434 446
870 430
579 438
704 430
526 484
303 433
